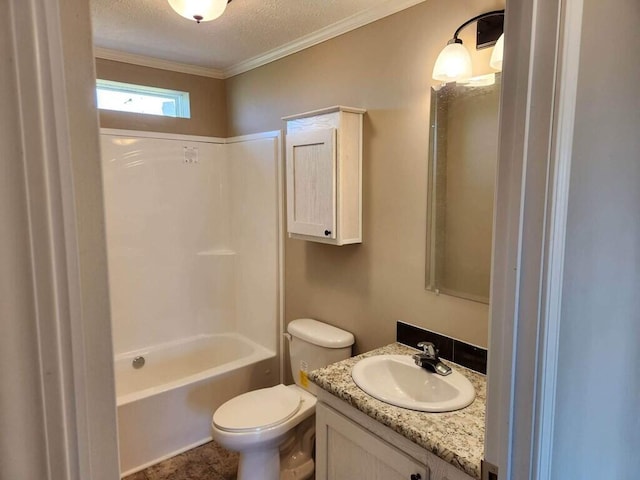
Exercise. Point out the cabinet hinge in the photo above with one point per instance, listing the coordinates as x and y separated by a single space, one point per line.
489 471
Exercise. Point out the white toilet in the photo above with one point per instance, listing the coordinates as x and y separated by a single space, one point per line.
273 428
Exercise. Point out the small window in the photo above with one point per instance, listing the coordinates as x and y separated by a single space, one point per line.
126 97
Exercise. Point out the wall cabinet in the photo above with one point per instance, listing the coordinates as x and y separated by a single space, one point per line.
349 444
324 175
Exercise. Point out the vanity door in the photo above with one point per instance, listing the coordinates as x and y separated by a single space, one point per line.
345 450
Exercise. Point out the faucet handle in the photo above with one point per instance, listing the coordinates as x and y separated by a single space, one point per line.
429 349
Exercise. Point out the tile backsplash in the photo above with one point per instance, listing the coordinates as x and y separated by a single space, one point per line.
465 354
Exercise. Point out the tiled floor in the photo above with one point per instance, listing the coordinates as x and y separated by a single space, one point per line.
208 462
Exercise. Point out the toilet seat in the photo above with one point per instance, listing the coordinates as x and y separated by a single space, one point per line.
258 410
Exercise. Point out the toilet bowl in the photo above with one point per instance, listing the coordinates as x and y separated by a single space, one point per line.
272 428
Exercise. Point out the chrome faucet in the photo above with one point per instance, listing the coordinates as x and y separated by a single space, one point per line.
429 359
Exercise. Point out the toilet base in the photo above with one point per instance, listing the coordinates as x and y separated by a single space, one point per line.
288 458
296 455
303 471
263 464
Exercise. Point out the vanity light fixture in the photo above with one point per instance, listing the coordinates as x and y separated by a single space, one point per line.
454 62
496 56
199 10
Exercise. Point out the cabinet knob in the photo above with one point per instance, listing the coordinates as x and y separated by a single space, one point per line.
326 234
416 476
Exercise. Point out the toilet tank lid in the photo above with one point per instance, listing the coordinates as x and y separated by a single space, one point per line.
319 333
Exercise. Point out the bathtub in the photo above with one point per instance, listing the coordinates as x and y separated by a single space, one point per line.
165 407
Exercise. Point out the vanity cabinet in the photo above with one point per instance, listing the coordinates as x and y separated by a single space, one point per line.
350 444
350 451
324 175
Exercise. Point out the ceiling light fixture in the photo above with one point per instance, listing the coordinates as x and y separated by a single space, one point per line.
454 62
199 10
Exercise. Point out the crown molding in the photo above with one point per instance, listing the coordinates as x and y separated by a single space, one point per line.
327 33
118 56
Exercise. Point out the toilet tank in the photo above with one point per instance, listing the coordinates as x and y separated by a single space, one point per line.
314 345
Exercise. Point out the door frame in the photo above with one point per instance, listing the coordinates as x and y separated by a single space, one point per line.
540 81
48 52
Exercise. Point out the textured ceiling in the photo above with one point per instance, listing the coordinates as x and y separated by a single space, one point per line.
248 28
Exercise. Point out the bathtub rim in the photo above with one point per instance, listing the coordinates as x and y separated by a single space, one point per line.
259 353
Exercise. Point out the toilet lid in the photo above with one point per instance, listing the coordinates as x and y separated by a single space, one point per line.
257 410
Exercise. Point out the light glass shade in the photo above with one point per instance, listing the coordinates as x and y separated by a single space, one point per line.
453 63
199 10
496 55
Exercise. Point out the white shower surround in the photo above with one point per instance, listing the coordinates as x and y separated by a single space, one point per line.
195 262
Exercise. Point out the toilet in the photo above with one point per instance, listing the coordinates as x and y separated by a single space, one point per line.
273 428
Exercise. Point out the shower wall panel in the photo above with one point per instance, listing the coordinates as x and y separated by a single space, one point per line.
255 231
171 262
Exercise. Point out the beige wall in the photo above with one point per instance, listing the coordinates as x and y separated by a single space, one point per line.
596 406
384 67
207 95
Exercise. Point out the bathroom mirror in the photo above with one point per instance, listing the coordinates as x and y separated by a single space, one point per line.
462 165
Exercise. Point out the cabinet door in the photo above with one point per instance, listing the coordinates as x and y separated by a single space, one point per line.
311 183
347 451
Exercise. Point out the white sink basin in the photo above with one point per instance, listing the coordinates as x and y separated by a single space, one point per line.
397 380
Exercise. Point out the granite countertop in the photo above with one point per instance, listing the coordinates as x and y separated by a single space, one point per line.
456 437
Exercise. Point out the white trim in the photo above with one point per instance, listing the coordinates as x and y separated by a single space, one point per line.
50 231
151 62
159 135
324 111
327 33
255 136
537 110
507 230
552 303
190 138
63 323
284 361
